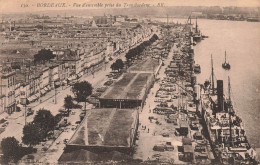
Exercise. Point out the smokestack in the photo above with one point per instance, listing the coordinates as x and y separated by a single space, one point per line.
220 95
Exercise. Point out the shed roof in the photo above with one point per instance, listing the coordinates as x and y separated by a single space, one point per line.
186 141
188 148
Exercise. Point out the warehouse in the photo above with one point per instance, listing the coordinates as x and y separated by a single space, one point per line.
128 92
105 130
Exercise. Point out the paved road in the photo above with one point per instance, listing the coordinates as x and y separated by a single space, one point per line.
148 139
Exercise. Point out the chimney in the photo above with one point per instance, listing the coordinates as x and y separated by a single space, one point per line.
220 95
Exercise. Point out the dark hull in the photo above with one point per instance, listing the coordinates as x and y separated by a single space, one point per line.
226 66
197 38
197 69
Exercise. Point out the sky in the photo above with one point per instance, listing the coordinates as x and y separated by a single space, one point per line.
16 6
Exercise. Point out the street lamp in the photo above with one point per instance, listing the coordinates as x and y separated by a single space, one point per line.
24 103
55 92
93 73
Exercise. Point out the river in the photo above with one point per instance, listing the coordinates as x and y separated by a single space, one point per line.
241 40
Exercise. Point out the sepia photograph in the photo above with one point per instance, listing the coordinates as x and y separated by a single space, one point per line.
130 82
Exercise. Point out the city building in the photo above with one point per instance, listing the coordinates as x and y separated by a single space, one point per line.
7 93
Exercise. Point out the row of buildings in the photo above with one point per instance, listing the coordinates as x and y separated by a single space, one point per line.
79 48
34 81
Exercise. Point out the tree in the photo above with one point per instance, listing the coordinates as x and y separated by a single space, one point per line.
11 149
119 64
32 134
113 66
45 120
128 56
68 103
15 65
43 55
82 90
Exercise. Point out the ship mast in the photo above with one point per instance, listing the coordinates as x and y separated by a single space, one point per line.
230 129
225 57
167 31
229 90
212 76
167 19
196 26
229 112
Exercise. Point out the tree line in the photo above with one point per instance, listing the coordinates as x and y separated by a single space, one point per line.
135 52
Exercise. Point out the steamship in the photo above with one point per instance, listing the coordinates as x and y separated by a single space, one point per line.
224 128
197 37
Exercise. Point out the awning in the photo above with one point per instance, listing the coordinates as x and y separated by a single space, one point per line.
64 82
49 87
57 83
34 97
19 105
43 91
37 95
72 78
55 77
30 99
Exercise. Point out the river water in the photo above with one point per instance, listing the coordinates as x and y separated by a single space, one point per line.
241 40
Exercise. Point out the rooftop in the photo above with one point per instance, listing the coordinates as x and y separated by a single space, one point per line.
147 65
131 86
105 127
186 141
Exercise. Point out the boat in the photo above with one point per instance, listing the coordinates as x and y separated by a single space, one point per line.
224 128
226 65
203 36
253 19
197 68
197 35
